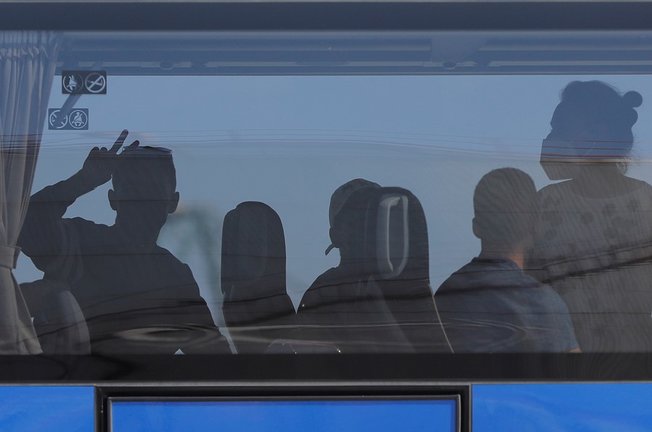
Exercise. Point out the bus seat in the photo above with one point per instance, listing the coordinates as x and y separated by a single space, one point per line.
58 319
256 307
397 238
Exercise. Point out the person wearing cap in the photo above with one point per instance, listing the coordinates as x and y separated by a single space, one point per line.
344 306
136 296
594 234
339 226
491 305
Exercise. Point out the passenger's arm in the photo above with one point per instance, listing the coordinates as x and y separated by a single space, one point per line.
43 236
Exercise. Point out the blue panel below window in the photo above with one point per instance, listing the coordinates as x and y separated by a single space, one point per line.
562 407
47 409
286 416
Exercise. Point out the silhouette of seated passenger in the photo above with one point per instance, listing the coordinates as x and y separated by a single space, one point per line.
345 306
490 304
135 295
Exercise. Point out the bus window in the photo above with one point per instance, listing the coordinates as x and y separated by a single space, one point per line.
479 191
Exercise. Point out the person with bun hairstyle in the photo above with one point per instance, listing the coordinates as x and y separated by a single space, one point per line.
593 239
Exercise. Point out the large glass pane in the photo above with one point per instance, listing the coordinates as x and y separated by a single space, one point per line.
309 192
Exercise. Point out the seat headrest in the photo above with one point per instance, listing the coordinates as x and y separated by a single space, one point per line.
392 234
253 250
38 293
58 318
396 233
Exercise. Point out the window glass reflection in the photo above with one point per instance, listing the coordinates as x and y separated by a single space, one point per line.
503 210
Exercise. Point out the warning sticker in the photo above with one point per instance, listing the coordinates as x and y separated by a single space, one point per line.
76 119
71 83
83 82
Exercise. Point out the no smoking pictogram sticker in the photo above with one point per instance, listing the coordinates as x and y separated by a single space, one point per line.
84 82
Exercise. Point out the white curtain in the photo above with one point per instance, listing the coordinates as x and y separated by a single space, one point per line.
27 65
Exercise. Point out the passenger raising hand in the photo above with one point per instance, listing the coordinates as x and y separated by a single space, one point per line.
100 162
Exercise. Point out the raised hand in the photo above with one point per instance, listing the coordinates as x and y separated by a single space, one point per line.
100 162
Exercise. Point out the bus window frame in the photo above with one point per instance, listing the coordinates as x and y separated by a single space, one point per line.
331 16
435 369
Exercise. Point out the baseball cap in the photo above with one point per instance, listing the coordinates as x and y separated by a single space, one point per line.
341 195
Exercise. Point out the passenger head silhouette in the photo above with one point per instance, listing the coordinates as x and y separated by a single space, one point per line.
144 192
342 214
504 204
592 125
